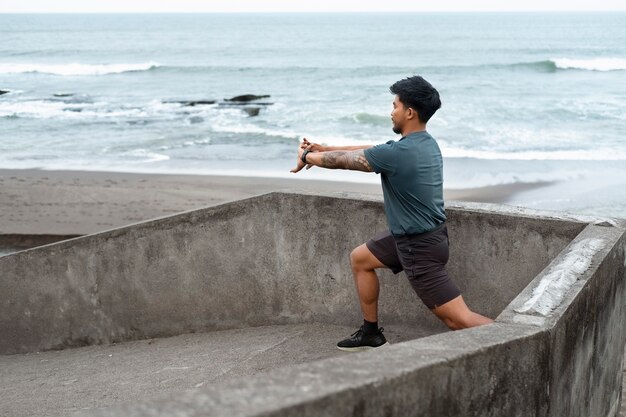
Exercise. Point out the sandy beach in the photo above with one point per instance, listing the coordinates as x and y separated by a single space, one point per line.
81 202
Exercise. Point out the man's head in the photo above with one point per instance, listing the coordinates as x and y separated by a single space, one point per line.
415 102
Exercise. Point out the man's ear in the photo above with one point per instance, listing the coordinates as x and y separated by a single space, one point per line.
412 114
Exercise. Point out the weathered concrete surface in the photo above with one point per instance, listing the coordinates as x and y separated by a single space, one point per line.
276 259
588 342
58 383
281 259
586 330
465 373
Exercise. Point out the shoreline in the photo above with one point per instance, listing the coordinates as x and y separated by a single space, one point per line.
36 202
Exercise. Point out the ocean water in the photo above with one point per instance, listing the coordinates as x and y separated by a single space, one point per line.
527 97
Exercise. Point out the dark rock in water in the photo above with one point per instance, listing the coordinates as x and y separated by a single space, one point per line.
237 104
198 103
235 101
246 98
63 94
192 103
252 111
4 92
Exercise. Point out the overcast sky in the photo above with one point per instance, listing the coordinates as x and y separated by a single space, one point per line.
182 6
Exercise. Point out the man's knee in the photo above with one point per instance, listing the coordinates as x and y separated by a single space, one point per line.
455 323
359 259
464 320
455 314
356 258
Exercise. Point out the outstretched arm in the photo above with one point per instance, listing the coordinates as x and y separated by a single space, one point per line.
353 160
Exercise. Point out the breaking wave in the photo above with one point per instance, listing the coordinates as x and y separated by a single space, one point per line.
592 64
70 69
595 64
599 154
75 68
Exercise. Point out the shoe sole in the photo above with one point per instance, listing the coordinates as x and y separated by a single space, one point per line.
361 348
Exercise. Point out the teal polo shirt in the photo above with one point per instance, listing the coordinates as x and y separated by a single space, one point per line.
411 172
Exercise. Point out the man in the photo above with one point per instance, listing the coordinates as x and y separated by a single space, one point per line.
411 171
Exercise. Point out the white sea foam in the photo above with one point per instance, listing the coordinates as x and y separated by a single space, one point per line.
39 109
451 151
225 127
594 154
44 109
594 64
204 141
560 278
145 156
476 179
74 68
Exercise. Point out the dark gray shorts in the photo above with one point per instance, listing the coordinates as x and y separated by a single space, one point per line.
423 258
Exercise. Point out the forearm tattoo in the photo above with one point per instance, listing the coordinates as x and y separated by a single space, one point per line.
354 160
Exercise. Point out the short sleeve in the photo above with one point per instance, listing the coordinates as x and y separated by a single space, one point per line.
382 158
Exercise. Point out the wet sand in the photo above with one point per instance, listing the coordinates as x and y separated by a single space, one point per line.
80 202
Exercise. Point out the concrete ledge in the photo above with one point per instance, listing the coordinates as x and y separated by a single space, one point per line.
494 370
586 328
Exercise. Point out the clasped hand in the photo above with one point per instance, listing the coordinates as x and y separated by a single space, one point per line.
305 145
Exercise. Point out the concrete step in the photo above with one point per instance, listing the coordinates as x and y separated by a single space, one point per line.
58 383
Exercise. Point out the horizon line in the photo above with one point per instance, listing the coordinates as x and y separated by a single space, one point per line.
319 12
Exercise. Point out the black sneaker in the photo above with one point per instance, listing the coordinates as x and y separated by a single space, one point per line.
359 341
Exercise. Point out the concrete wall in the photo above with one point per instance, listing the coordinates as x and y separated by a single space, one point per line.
282 258
278 258
586 330
561 361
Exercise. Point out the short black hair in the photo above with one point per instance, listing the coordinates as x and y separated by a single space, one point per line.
419 94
